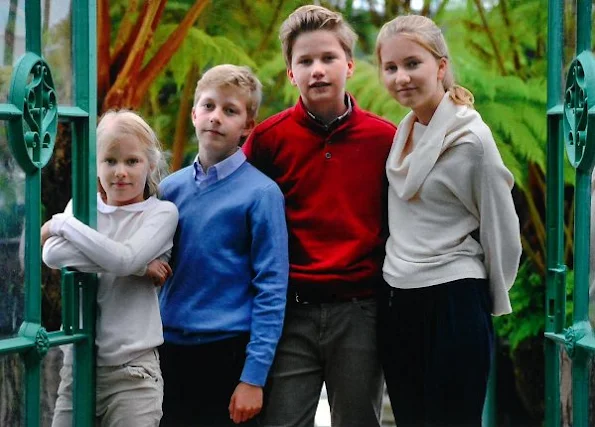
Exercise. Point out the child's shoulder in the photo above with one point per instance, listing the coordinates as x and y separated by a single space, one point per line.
176 177
272 122
257 180
376 120
165 207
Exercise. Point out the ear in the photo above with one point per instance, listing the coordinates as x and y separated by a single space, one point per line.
290 76
442 66
193 114
350 67
249 126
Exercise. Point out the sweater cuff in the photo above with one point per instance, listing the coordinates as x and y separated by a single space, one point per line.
254 372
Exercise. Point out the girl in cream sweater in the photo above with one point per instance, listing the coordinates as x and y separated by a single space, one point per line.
454 244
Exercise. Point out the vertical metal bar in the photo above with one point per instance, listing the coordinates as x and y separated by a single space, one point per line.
32 242
84 200
33 26
580 368
580 363
583 25
555 295
32 293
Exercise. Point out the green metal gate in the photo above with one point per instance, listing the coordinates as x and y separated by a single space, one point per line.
571 124
50 68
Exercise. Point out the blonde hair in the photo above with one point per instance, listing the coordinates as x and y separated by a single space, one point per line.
313 18
232 76
426 33
116 125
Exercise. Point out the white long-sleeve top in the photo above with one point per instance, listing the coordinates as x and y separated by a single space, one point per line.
128 238
451 213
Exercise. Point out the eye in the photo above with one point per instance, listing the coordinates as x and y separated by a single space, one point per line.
230 111
132 161
110 161
305 61
412 63
390 68
328 58
208 105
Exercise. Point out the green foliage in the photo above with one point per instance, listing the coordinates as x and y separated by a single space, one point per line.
527 298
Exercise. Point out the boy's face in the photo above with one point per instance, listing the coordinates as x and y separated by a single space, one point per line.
320 69
220 119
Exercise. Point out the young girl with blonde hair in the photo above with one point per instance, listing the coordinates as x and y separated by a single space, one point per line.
454 244
129 250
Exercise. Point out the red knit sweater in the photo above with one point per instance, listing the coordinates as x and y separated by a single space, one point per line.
335 191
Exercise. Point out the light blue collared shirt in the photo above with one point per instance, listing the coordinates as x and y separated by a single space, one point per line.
218 171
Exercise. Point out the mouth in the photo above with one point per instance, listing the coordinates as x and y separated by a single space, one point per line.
405 90
213 132
319 85
120 184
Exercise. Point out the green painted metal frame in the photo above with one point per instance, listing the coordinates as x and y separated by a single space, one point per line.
78 290
570 116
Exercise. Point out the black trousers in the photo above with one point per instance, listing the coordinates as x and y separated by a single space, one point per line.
436 347
199 381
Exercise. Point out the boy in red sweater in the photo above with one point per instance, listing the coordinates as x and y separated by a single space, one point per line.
328 157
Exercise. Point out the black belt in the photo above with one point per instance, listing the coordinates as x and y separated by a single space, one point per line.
297 297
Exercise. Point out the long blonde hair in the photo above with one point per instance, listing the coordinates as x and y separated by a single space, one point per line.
115 125
426 33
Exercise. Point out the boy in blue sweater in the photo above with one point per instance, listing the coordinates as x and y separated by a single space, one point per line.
223 307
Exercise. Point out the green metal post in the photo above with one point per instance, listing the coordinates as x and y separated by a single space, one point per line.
555 275
580 363
32 250
84 204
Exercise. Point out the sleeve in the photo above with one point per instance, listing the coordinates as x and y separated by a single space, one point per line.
499 229
270 264
122 258
59 253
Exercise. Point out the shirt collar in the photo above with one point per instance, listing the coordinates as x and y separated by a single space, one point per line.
337 120
222 169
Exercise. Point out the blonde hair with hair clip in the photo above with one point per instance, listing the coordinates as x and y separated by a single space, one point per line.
313 18
116 125
426 33
233 76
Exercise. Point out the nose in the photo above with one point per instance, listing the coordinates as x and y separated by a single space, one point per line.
215 116
318 69
120 170
402 77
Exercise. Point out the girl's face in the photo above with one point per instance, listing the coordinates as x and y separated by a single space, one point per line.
123 168
412 75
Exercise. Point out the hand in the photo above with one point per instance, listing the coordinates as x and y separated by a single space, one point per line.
45 231
158 271
246 402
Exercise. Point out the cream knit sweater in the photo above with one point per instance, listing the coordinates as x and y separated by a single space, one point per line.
451 213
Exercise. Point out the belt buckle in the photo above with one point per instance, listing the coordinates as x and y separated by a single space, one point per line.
298 299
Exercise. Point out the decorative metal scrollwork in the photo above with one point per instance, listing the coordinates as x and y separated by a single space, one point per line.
579 120
31 137
42 342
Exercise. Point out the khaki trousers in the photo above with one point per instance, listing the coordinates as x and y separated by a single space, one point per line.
128 395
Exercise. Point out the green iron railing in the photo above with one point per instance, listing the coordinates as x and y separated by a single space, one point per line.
32 118
570 118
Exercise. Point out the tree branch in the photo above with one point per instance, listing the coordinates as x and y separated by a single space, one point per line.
271 29
491 37
186 104
150 72
126 27
121 91
103 42
511 37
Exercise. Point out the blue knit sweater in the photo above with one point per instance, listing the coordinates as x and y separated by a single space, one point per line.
230 264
